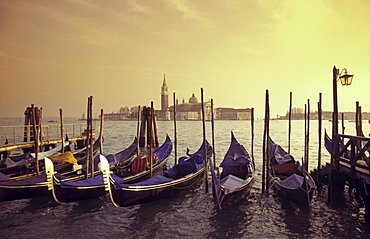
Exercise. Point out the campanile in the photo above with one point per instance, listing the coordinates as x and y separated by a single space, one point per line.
164 94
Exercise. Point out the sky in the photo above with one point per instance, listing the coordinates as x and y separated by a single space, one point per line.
55 54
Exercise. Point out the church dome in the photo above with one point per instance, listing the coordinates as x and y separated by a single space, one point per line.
193 99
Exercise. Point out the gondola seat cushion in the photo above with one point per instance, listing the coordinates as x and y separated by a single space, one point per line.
140 163
285 168
231 183
66 157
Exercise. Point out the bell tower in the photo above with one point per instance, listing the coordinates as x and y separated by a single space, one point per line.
164 94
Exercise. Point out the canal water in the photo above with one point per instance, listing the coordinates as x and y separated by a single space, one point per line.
193 214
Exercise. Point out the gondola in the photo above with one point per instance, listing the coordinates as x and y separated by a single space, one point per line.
18 164
24 165
186 174
288 178
68 190
31 186
237 177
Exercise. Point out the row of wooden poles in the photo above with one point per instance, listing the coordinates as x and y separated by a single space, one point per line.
33 116
305 160
90 138
148 127
205 156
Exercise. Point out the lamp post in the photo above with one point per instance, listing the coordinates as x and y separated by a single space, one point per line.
345 80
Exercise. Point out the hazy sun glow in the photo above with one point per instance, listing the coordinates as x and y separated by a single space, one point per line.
55 54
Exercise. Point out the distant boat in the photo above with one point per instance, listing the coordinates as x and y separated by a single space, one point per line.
83 117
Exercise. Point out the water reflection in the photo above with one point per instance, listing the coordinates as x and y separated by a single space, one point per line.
192 214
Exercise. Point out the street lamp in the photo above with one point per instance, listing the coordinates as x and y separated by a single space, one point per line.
346 80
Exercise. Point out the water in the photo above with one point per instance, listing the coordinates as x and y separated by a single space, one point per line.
193 214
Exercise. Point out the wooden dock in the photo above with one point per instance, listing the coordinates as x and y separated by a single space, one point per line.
30 144
352 157
349 166
21 137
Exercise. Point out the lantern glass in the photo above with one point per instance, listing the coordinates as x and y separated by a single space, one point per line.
346 79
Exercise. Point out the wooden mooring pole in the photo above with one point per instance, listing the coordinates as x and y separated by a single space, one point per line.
265 146
138 131
175 125
290 120
319 118
35 138
142 127
89 157
334 133
252 137
151 137
27 120
205 156
61 128
307 136
155 129
358 120
101 130
213 136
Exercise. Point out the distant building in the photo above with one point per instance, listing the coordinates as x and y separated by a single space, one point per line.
326 115
164 95
191 110
233 114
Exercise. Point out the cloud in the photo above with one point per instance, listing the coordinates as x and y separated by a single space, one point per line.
250 50
11 57
189 12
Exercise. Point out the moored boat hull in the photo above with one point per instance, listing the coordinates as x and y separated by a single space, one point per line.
132 196
15 193
298 195
243 192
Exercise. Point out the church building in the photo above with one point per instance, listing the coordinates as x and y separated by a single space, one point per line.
191 110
